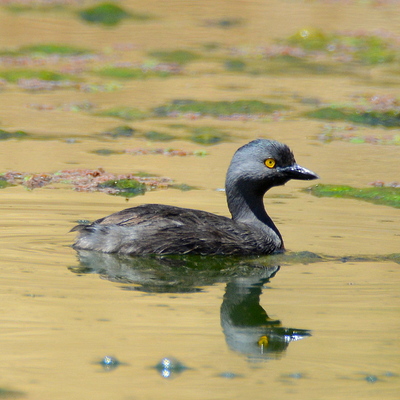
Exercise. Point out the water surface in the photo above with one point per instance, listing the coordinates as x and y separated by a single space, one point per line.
324 327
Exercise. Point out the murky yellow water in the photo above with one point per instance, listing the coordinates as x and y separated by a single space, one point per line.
58 320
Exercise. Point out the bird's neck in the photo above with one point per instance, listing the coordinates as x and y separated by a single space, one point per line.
247 206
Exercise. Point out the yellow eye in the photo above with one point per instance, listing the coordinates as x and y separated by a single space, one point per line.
270 162
263 341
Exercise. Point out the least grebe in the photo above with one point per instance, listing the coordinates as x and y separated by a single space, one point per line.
161 229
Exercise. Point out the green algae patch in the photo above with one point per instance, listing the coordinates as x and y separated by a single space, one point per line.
10 394
350 134
132 73
155 136
5 135
121 73
127 113
53 49
217 108
87 180
124 187
208 135
4 183
46 49
15 75
120 131
180 57
310 39
388 196
283 64
106 152
239 109
388 118
109 14
365 48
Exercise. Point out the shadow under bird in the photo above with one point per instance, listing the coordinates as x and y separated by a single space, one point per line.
162 229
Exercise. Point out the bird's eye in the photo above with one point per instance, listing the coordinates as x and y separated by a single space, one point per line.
270 162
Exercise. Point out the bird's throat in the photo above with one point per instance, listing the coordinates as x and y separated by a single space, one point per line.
248 208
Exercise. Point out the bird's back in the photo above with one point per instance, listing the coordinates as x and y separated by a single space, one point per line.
162 229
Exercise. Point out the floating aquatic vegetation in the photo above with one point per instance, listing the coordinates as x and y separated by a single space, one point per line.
17 75
156 136
166 152
120 131
34 80
40 84
389 196
385 184
96 88
310 39
208 135
131 187
180 57
388 119
4 184
145 72
363 47
280 59
284 63
51 49
106 152
73 106
122 73
10 394
5 135
364 109
124 187
349 134
127 113
48 54
221 109
85 180
375 103
109 14
146 151
67 59
317 52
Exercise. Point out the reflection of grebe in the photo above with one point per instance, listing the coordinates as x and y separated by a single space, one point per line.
248 329
160 229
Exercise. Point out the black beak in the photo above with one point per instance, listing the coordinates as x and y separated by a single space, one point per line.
295 171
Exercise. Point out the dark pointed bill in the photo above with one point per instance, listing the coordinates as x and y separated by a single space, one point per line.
295 171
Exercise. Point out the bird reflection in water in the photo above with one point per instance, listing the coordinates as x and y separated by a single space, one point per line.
246 325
